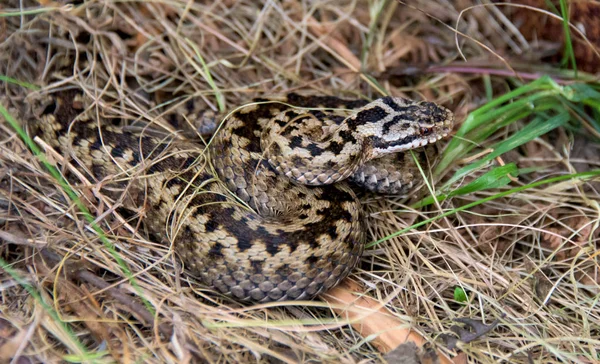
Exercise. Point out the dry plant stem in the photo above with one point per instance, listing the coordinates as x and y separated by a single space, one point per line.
369 317
111 208
76 273
342 50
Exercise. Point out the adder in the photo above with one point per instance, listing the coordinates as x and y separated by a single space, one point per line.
265 211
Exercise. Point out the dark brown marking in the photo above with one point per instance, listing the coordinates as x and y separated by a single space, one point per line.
371 115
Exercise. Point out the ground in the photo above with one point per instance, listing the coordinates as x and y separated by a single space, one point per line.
509 245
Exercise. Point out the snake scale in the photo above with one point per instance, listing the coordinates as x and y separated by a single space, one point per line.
255 215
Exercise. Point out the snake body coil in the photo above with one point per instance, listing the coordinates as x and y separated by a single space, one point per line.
257 214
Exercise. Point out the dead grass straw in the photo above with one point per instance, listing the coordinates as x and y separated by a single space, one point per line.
511 236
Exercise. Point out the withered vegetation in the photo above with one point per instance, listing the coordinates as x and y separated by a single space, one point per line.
524 252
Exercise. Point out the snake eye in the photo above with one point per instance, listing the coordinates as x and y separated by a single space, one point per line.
425 131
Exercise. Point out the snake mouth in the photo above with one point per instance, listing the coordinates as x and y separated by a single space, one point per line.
407 144
423 142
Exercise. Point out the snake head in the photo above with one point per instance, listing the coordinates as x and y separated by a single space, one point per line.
317 148
400 124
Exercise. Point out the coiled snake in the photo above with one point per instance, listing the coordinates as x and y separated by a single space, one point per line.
257 214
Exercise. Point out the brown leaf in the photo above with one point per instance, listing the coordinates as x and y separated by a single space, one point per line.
473 329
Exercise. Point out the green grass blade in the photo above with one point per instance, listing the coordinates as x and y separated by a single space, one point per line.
49 310
495 178
55 173
35 11
534 129
581 176
569 53
205 73
494 115
580 92
18 82
544 95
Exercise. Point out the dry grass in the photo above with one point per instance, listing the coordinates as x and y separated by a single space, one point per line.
529 258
